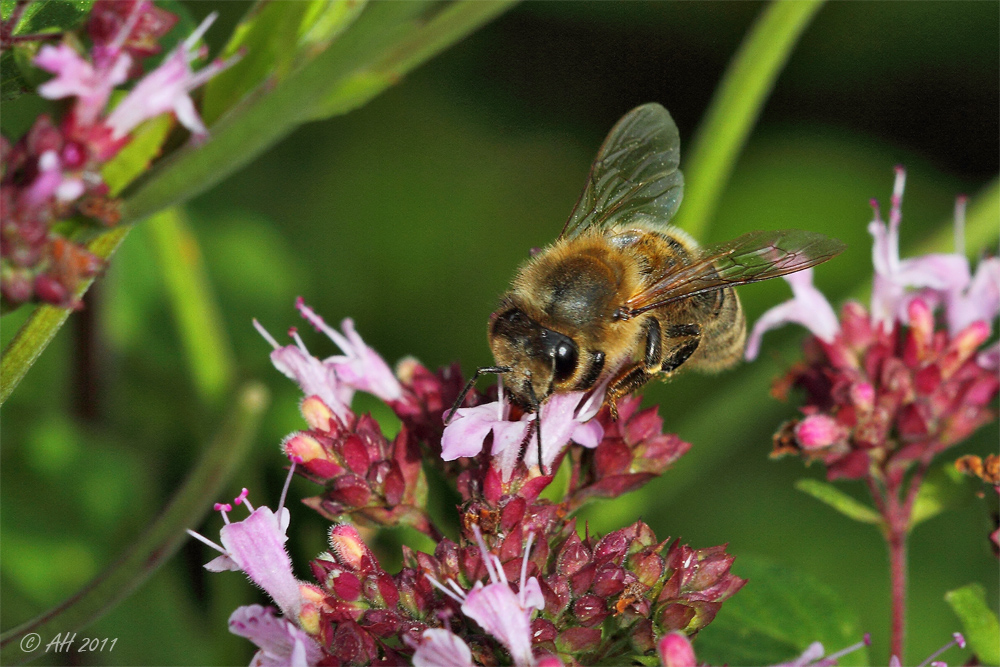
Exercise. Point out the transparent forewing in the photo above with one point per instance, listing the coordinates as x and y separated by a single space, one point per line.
753 257
635 174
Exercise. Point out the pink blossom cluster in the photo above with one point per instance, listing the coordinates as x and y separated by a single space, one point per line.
520 585
891 386
54 170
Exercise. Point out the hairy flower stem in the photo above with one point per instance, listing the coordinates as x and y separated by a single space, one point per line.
896 540
896 508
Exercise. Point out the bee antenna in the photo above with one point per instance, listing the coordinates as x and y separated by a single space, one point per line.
468 387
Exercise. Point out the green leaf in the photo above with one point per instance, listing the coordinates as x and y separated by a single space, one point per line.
979 624
838 500
735 107
944 488
12 84
135 158
43 16
196 314
775 617
276 38
163 537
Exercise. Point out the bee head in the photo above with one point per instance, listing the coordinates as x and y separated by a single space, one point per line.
540 359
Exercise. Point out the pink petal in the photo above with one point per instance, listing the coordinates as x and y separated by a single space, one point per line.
314 377
807 307
465 433
257 546
360 366
507 439
497 610
980 300
442 648
676 651
990 357
281 642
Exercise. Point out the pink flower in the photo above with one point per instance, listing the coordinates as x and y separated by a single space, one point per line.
938 278
440 647
818 431
497 608
361 367
281 642
807 307
314 377
256 545
939 272
166 89
565 417
676 651
978 300
75 77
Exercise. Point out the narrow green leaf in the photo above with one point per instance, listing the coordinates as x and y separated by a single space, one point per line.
775 617
52 16
196 315
735 107
275 39
12 84
423 28
838 500
134 159
354 91
44 323
943 489
163 537
267 37
979 624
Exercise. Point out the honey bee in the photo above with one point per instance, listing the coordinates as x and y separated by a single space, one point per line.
622 296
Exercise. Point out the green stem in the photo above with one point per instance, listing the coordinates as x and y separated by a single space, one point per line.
735 107
163 537
196 314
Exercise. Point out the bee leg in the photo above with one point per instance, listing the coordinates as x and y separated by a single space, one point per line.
630 379
625 384
682 352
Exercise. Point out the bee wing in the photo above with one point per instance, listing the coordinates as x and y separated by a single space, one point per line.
634 175
750 258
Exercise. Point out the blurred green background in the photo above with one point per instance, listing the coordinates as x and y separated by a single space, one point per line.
411 214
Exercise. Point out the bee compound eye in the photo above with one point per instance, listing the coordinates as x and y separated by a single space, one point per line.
565 360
